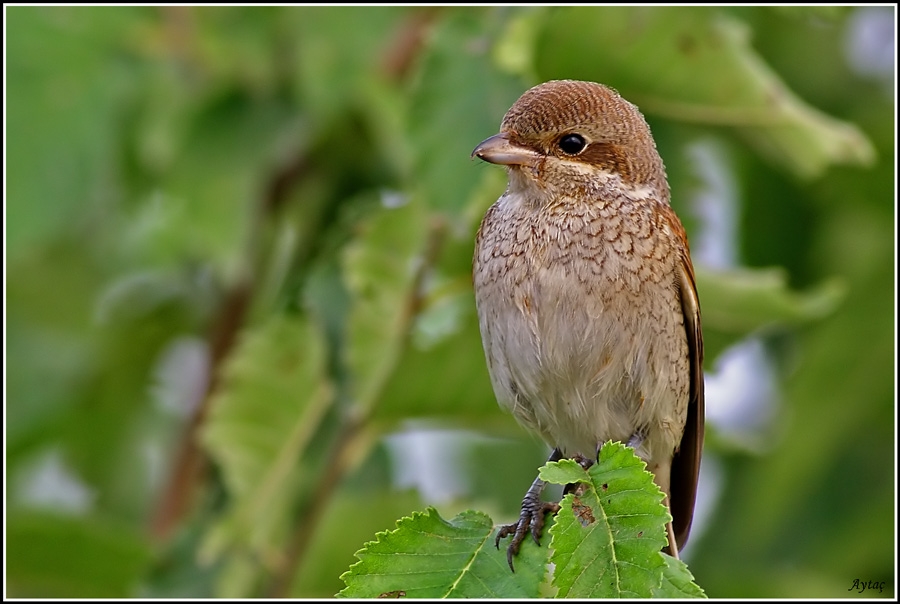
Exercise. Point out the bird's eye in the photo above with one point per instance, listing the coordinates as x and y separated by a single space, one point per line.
572 144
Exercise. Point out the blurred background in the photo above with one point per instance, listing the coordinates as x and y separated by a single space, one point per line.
241 336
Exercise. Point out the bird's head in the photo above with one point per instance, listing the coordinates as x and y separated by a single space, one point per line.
566 135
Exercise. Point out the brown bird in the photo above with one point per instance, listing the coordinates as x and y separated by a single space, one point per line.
585 293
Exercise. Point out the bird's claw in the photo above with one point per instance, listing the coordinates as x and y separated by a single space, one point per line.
585 462
531 519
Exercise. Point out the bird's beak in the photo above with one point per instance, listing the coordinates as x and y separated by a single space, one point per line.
498 149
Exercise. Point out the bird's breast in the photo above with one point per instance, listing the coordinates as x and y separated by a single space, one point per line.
577 304
616 247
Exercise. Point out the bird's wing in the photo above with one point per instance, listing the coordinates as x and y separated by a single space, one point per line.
686 463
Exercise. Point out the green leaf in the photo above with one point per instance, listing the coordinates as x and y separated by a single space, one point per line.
428 557
678 582
319 576
696 64
455 362
271 403
609 546
608 532
563 472
381 266
737 302
741 300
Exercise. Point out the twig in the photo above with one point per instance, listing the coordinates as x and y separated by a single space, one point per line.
402 53
190 464
346 444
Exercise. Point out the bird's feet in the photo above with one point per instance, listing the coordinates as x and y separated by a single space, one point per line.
531 519
586 462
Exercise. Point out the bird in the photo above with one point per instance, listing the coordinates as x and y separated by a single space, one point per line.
586 296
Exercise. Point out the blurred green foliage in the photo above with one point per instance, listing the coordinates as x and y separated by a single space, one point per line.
238 248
